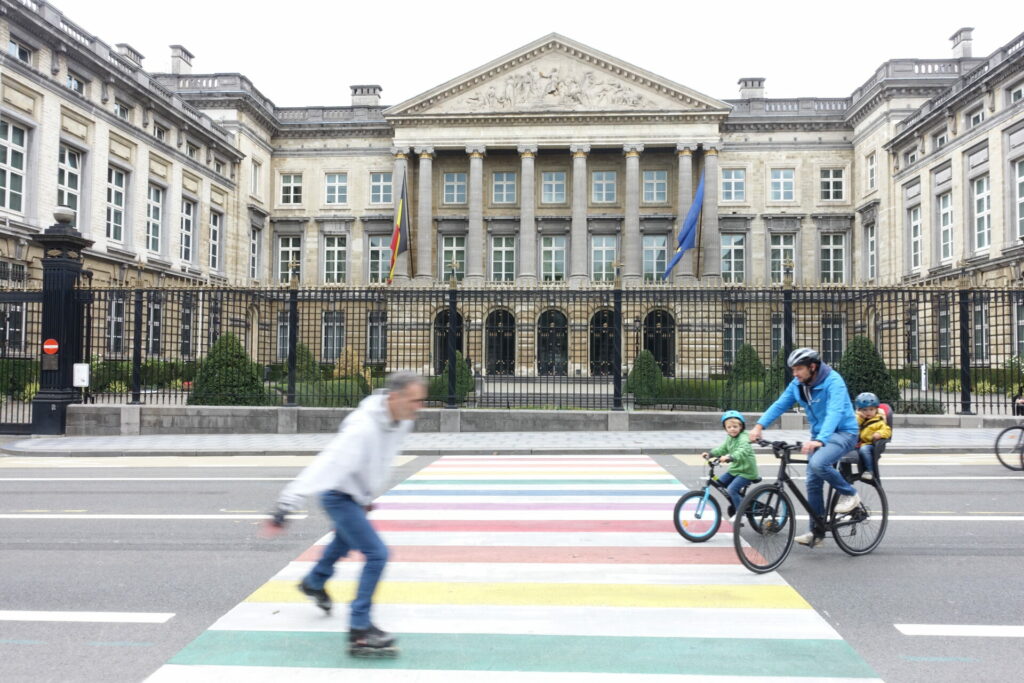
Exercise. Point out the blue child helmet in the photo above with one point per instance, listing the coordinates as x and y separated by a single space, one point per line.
733 413
866 400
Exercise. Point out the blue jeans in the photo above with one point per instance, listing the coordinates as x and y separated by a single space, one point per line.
733 484
821 469
867 457
352 531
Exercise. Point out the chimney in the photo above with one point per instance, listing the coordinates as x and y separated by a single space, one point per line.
751 88
962 43
130 53
366 95
181 60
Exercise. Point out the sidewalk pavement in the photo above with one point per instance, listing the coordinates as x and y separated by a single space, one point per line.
906 441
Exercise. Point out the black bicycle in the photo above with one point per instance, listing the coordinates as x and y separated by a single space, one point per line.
698 514
766 521
1010 448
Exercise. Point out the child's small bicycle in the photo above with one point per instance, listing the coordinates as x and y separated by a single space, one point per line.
698 515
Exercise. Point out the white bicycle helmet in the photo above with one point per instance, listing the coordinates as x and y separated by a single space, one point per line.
803 356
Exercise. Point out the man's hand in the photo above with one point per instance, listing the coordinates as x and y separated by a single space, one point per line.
755 433
369 508
274 527
811 446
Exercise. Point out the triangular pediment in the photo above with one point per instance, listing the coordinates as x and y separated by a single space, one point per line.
556 76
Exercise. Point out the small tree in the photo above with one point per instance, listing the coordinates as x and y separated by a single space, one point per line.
864 370
776 379
350 366
644 380
748 365
306 367
227 377
464 382
745 385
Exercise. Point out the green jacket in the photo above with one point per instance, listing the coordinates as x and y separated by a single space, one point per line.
738 447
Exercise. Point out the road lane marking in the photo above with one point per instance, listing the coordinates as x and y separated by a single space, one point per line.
142 517
968 630
92 617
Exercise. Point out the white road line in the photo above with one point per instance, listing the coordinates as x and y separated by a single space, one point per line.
145 517
106 617
969 630
3 479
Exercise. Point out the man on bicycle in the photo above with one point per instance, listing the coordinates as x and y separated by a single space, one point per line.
822 393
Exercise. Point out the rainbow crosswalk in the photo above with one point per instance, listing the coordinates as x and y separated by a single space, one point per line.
533 568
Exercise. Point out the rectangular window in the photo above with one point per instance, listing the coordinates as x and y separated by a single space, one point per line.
733 333
975 118
453 256
12 328
334 259
188 219
116 184
1018 313
216 223
833 337
1017 94
454 188
655 187
283 320
153 323
980 328
939 140
602 258
337 188
218 167
19 51
69 179
777 334
603 187
872 171
256 178
377 333
734 184
552 254
783 249
122 111
872 249
982 213
833 259
159 132
910 156
289 259
552 187
783 185
13 144
832 184
192 151
75 82
912 338
115 323
214 328
187 330
379 258
254 253
503 259
504 188
333 335
154 217
942 330
655 257
914 230
733 253
380 188
946 226
291 188
1019 199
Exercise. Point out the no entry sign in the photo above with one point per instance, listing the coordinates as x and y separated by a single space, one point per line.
50 346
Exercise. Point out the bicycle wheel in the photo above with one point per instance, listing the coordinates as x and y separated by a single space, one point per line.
859 531
697 519
1010 448
762 545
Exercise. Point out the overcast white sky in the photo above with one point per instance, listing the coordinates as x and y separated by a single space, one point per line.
308 52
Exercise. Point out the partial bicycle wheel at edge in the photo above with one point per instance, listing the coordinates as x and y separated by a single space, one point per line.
859 531
697 520
1010 448
764 528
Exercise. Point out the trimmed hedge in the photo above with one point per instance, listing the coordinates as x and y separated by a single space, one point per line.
16 374
692 392
464 382
335 393
228 377
864 370
645 379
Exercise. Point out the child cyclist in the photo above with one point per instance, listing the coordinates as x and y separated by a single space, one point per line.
872 427
735 450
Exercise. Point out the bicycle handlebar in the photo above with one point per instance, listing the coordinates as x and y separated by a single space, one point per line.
780 446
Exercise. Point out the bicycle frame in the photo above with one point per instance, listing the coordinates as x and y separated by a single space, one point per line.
783 479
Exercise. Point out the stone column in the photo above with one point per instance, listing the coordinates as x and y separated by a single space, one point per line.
527 256
400 175
631 251
683 269
475 239
578 251
425 216
711 239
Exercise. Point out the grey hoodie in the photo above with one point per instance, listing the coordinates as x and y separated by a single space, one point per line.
358 459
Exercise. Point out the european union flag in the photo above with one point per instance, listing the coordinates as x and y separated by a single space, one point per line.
688 233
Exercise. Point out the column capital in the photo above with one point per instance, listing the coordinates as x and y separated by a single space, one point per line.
476 150
579 150
632 149
712 151
684 149
527 150
400 152
424 151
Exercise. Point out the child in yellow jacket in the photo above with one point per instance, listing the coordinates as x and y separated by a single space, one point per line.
872 427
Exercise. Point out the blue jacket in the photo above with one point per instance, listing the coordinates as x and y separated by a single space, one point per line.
826 401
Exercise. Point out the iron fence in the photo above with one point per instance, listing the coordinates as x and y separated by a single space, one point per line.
20 318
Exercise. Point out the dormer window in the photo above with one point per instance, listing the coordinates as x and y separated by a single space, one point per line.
19 51
192 151
76 83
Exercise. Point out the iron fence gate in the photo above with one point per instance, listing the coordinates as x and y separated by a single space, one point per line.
20 315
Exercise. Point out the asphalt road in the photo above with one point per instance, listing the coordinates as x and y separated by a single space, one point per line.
963 570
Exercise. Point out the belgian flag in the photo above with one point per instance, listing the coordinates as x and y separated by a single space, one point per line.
400 235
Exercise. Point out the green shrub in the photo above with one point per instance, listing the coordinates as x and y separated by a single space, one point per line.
904 383
645 379
864 370
953 386
985 387
117 387
919 407
15 373
157 373
464 382
228 377
692 392
744 389
103 373
28 392
776 380
306 367
335 393
748 365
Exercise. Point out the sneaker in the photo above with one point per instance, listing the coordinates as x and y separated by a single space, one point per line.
319 595
810 539
867 476
371 636
847 504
